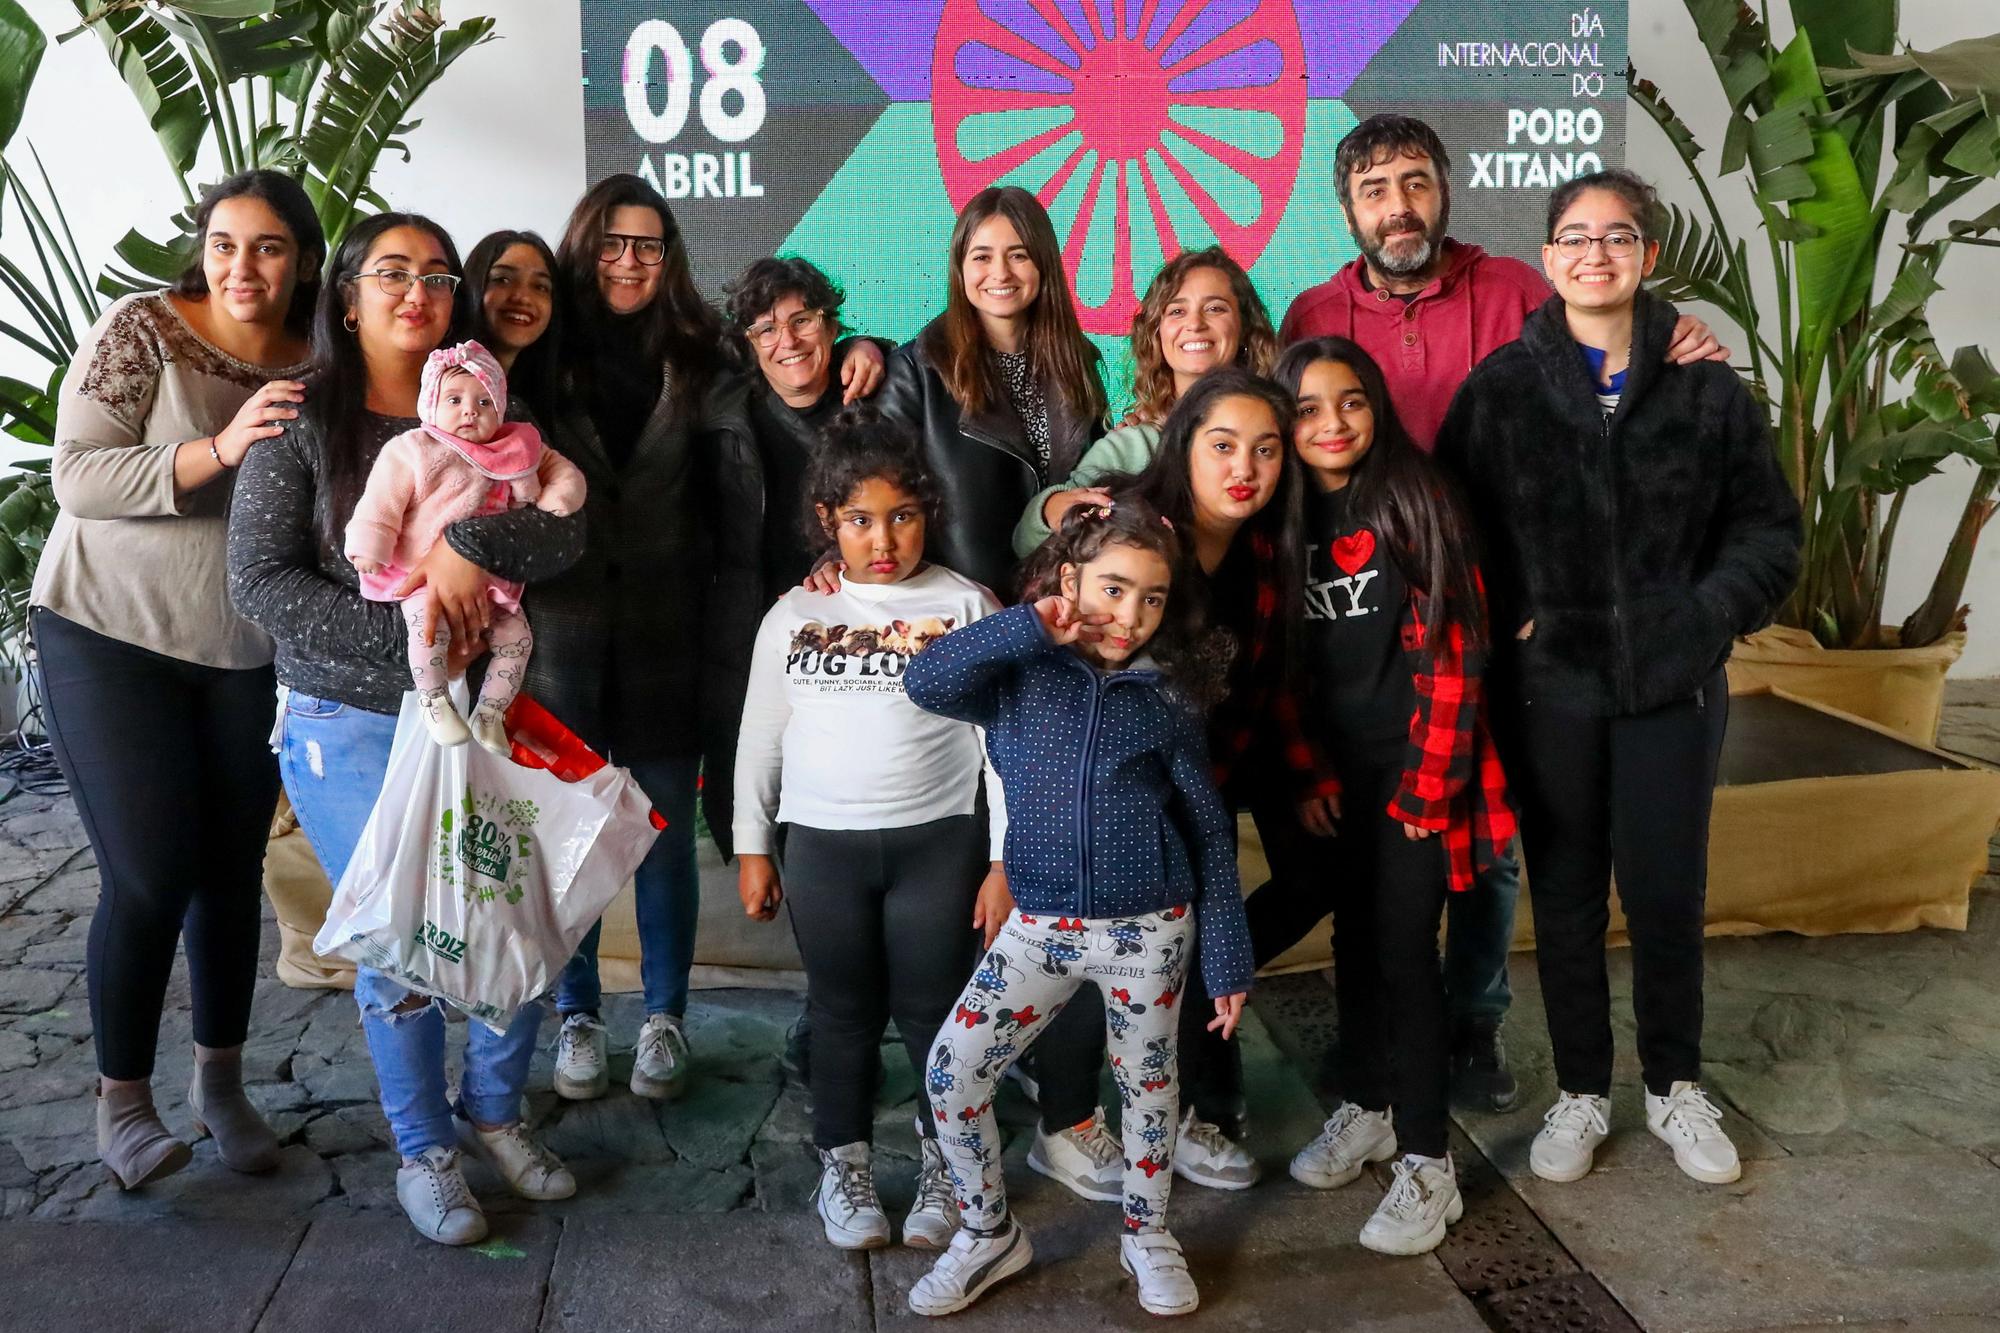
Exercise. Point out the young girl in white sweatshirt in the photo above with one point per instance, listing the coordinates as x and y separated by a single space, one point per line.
862 812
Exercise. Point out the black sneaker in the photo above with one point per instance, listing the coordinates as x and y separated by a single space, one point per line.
1480 1078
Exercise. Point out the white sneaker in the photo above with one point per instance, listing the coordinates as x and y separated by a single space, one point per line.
1571 1131
846 1201
660 1060
969 1267
582 1071
1088 1162
441 720
1154 1260
489 728
1691 1124
1207 1156
1420 1204
437 1200
934 1216
1350 1140
528 1168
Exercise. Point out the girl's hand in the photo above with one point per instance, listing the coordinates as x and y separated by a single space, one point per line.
1057 506
757 885
457 591
1228 1013
995 902
825 577
1694 341
1067 625
1415 834
261 418
1318 813
861 370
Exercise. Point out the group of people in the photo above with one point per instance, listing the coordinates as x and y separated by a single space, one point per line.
1452 552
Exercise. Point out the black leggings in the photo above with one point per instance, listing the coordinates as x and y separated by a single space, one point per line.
1631 794
172 773
884 923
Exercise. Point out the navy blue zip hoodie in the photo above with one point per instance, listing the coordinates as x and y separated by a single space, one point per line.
1111 810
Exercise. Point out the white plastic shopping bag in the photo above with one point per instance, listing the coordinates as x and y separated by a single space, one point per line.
476 877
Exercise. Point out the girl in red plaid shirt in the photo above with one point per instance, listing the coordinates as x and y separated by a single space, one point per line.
1393 645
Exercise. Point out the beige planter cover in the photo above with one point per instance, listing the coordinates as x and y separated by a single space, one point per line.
1898 688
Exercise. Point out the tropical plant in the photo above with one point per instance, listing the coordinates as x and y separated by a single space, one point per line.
1848 148
321 89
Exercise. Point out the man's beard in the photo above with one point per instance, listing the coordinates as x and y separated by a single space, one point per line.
1406 263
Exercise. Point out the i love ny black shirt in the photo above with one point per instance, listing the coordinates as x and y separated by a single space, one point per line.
1361 695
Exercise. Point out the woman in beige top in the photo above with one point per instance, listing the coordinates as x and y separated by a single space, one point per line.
159 694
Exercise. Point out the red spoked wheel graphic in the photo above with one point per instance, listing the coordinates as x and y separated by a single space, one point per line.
1145 127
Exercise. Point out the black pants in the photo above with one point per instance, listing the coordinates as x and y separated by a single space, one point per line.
170 768
884 923
1631 794
1388 983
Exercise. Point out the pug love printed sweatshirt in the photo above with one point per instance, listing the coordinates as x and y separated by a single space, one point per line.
829 739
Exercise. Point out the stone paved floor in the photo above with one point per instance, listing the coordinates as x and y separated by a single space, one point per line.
1862 1075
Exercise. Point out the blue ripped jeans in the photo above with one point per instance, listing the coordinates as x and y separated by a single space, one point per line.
666 901
333 759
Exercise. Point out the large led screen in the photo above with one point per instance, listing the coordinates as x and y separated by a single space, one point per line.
849 131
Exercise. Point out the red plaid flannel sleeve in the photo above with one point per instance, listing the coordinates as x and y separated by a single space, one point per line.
1439 761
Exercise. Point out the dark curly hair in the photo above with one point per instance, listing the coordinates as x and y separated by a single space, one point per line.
1380 138
765 282
857 446
1194 657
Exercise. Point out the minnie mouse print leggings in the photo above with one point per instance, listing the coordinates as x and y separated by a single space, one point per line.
1139 963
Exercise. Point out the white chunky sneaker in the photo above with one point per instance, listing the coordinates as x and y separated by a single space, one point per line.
1154 1260
582 1070
934 1216
1088 1162
1207 1156
846 1201
1571 1131
529 1169
660 1060
437 1200
969 1267
442 721
489 729
1689 1123
1421 1202
1350 1140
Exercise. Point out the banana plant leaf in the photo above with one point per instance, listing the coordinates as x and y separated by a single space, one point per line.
158 75
21 46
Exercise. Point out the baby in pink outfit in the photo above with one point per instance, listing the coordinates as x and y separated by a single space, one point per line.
464 461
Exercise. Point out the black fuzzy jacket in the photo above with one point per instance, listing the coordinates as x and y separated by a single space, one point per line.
1641 544
984 465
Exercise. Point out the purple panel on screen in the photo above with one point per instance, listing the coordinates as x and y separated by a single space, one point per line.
1342 36
896 53
1216 17
1024 21
980 66
1255 66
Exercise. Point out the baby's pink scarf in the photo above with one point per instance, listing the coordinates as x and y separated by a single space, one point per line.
515 450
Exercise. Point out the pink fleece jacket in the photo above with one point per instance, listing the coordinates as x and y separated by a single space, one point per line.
426 479
1427 347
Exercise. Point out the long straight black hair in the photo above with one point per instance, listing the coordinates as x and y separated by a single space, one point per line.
1398 491
337 395
533 378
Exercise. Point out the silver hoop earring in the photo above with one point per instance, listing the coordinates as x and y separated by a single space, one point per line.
351 324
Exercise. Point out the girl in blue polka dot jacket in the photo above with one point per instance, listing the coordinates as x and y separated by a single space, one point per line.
1117 846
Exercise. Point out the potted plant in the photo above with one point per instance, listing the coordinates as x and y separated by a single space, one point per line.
1851 153
318 88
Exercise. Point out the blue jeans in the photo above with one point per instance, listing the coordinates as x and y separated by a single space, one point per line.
1479 929
666 899
333 759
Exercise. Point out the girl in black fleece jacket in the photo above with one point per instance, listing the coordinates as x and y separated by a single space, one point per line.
1635 522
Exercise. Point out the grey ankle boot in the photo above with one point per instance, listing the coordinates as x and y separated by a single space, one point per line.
131 1139
242 1139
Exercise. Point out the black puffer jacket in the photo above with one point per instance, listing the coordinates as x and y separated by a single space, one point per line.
1640 544
984 464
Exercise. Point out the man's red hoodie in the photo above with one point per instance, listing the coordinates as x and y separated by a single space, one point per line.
1427 346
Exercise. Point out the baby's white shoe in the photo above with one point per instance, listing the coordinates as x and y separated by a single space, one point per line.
442 720
489 728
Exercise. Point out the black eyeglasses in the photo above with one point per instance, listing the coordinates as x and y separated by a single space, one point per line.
648 250
1617 244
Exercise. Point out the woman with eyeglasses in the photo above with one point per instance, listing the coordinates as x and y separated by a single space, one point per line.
158 692
386 303
1635 523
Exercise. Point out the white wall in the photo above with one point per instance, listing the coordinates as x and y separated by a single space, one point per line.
501 145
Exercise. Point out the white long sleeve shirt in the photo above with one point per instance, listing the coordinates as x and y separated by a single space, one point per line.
829 739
